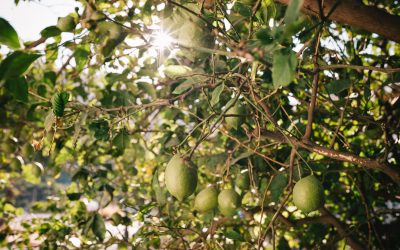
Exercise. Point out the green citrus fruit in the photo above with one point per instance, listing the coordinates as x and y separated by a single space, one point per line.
242 180
234 121
308 194
180 177
228 202
66 24
206 199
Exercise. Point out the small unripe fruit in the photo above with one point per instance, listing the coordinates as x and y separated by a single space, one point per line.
308 194
206 200
66 24
180 177
228 202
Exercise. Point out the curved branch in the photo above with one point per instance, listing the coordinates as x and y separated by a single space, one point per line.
355 13
376 164
359 67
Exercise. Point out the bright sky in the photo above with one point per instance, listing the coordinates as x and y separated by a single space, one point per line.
29 18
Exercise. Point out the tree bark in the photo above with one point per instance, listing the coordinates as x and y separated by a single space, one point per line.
356 14
373 164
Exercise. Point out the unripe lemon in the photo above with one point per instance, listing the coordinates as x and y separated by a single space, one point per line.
243 181
206 199
234 121
308 194
180 177
66 23
228 202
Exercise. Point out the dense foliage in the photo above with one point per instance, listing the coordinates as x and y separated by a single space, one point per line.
252 94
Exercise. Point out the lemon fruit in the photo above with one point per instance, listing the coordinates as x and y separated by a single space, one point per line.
228 202
180 177
308 194
206 200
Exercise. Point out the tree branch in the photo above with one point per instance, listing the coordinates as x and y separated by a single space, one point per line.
375 164
355 13
358 67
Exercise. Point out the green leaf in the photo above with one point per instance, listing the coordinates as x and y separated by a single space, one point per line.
161 195
100 129
284 67
148 88
292 11
8 35
50 31
18 88
216 93
49 121
337 86
174 71
16 64
277 186
122 140
74 196
98 227
183 87
242 156
242 9
81 56
232 234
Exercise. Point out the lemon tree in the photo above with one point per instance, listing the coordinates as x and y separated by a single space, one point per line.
149 124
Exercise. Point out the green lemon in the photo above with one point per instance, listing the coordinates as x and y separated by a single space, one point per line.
308 194
206 199
180 177
66 24
228 202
